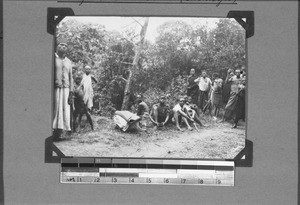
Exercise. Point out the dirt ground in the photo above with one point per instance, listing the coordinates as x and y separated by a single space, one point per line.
214 141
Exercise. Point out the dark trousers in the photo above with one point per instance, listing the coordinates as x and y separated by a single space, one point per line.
202 99
193 92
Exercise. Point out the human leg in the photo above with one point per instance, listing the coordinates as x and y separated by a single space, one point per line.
89 118
58 109
66 110
200 100
75 115
176 118
187 123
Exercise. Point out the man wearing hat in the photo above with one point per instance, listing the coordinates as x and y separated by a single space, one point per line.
63 90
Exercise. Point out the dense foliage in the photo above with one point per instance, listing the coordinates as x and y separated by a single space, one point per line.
163 66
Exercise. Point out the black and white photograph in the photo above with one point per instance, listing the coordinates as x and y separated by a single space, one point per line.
149 87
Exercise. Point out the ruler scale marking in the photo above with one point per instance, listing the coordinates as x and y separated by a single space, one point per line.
153 171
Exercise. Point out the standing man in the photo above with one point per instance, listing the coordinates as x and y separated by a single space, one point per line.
235 81
227 86
240 107
216 96
63 91
204 84
192 89
230 106
87 88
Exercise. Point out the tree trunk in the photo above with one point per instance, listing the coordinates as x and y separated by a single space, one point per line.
138 49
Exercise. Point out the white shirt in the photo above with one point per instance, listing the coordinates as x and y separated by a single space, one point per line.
204 83
177 107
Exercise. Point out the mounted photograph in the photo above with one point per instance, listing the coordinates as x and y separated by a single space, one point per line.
149 87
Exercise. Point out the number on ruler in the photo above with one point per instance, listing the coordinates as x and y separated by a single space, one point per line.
115 180
218 181
183 181
200 181
167 180
148 180
131 180
71 179
79 179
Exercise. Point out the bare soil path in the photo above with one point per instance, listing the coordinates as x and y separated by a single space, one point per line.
215 141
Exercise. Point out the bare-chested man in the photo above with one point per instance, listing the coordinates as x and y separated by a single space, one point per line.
160 112
178 113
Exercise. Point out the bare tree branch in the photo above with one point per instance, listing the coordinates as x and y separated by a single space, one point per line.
127 63
138 50
137 22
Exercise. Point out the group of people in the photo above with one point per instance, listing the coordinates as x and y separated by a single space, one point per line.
203 95
161 114
71 100
214 94
75 99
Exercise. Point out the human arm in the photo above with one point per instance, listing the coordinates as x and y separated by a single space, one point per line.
188 82
197 80
139 110
185 115
167 118
229 77
71 86
94 79
71 81
153 110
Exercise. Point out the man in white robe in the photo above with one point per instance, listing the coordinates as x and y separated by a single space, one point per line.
87 88
63 91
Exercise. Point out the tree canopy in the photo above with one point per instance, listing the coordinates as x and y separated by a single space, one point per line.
163 65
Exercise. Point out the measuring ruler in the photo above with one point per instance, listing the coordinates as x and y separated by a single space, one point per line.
137 171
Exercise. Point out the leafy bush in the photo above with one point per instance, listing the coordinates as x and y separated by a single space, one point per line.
163 66
173 92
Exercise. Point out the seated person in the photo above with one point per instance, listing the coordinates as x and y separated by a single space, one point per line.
190 109
160 112
178 113
142 110
142 107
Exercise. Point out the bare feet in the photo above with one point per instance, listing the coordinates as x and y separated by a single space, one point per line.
179 129
220 121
